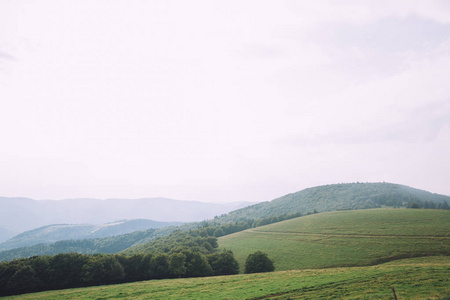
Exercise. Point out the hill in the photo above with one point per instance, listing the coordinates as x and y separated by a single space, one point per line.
107 245
346 238
418 278
21 214
348 196
53 233
322 198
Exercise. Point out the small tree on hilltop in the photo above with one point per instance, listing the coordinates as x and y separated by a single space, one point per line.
258 262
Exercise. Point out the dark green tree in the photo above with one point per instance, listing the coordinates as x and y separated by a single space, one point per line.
197 265
24 280
177 265
258 262
218 232
159 266
223 263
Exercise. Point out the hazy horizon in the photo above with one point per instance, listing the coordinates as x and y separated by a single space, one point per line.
212 202
221 101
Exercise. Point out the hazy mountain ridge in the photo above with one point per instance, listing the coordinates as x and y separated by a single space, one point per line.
111 244
340 197
58 232
21 214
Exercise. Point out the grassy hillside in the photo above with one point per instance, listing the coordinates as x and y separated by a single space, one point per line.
419 278
346 238
341 197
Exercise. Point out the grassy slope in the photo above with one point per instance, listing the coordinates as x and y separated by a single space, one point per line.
346 238
419 278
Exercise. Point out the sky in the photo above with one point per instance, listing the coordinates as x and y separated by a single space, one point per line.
221 101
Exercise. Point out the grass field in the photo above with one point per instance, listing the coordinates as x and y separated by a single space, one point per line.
418 278
346 238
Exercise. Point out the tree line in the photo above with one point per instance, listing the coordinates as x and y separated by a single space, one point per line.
187 256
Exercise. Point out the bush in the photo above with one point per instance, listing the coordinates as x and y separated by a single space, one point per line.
223 263
258 262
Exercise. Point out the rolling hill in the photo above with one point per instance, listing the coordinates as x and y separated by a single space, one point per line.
332 255
346 238
53 233
321 198
334 248
348 196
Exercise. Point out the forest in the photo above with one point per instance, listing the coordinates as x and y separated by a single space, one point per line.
178 255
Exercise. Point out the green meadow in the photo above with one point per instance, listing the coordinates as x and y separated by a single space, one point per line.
346 238
418 278
336 255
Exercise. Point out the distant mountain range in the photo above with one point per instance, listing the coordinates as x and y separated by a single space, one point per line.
21 214
59 232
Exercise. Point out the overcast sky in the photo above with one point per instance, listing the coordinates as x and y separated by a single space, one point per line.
221 100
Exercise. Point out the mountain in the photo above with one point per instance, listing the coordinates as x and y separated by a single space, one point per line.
53 233
21 214
341 197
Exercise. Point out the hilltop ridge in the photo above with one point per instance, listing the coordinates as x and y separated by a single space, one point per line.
344 196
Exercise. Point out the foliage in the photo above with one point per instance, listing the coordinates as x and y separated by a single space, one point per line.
181 254
258 262
223 263
419 278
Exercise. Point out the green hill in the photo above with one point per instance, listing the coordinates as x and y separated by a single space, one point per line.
346 238
332 251
348 196
322 198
